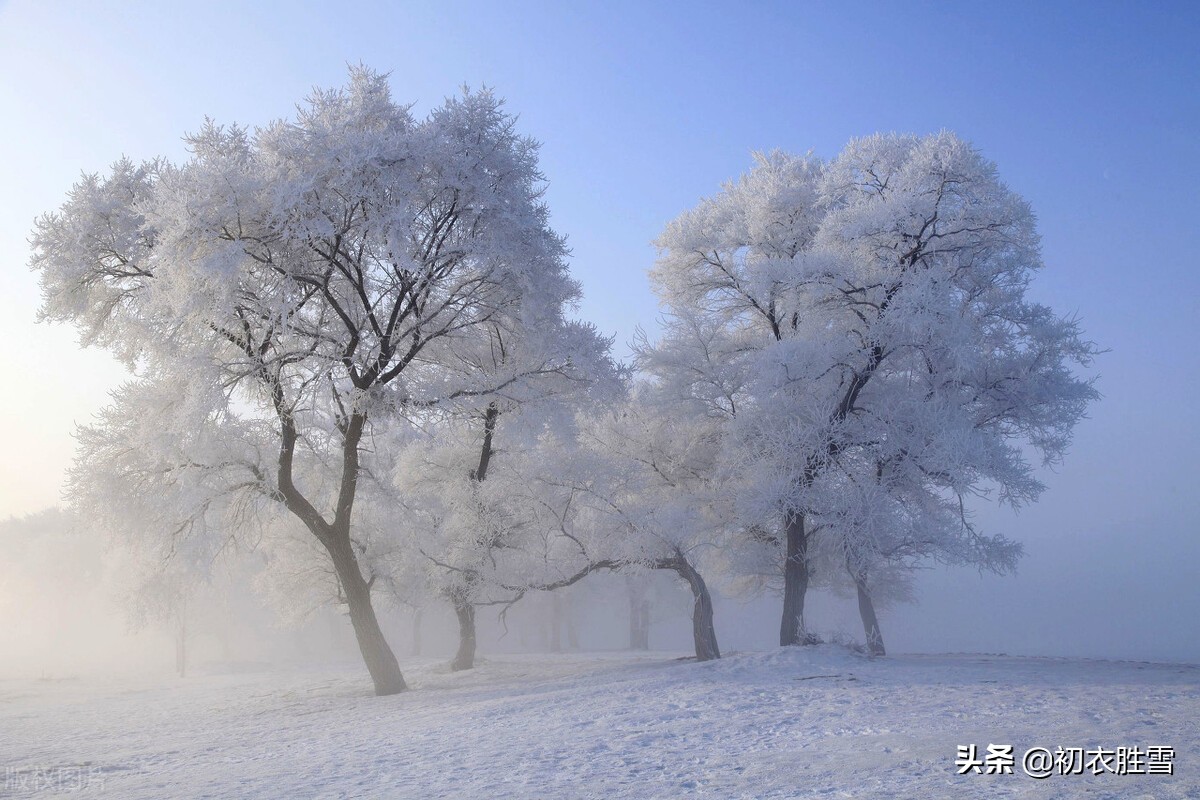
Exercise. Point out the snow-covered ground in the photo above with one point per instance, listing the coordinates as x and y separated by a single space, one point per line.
802 722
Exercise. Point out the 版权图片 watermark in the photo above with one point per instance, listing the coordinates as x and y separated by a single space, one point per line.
73 777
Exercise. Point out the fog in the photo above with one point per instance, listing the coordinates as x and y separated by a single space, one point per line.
66 609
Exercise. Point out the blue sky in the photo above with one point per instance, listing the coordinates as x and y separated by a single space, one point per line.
1090 110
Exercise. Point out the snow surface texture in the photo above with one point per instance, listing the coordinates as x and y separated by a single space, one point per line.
798 722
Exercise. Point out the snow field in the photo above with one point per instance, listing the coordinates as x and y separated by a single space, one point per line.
799 722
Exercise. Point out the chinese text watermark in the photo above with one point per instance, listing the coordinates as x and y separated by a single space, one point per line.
60 779
1041 762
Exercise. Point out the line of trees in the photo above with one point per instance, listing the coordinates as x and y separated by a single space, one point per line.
352 348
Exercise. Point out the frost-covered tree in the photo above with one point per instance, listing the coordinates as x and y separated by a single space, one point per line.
477 509
872 310
613 488
461 508
625 488
880 525
468 506
660 505
287 294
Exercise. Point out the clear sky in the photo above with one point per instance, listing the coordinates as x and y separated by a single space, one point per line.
1091 111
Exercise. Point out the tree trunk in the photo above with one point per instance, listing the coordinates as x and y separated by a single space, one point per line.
463 608
572 630
795 581
639 617
465 657
380 660
378 656
556 621
416 631
181 641
644 624
866 610
703 632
